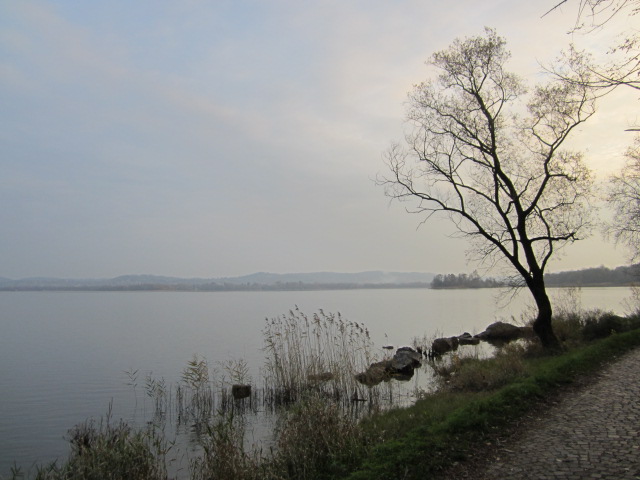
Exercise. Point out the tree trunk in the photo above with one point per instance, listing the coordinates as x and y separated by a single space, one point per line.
542 324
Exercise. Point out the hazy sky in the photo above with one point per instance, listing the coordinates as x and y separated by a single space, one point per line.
219 138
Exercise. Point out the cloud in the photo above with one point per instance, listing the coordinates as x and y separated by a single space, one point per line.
188 137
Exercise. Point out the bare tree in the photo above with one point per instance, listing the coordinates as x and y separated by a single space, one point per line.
593 14
621 66
491 161
624 196
621 69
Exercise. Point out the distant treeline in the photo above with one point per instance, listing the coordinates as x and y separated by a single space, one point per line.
598 276
588 277
463 280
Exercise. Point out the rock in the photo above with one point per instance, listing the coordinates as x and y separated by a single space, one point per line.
405 360
467 339
375 374
407 351
501 331
388 347
527 332
440 346
400 367
240 391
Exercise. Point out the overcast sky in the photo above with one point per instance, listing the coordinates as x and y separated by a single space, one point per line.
220 138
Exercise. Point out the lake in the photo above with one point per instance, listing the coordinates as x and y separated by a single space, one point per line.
64 356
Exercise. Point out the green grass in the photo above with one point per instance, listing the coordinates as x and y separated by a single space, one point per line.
441 429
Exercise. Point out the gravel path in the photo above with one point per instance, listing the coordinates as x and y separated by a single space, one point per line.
590 433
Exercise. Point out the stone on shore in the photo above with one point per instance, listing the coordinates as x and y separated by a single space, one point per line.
440 346
240 391
467 339
501 331
400 367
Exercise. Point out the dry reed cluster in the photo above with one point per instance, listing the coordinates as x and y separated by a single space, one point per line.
321 353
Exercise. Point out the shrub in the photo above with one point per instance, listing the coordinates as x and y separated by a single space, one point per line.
106 452
568 327
603 324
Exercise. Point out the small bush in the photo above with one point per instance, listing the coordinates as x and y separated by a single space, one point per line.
106 452
574 328
568 327
601 325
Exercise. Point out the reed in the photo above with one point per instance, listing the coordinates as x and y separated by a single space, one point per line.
196 397
316 439
102 450
323 353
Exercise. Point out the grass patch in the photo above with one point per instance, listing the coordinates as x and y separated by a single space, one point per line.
475 374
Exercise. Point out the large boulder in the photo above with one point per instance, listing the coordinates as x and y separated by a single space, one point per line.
376 373
406 360
501 332
440 346
400 367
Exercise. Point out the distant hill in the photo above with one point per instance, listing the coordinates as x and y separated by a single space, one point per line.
264 281
255 281
372 277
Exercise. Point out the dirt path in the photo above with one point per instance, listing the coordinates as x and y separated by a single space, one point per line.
591 432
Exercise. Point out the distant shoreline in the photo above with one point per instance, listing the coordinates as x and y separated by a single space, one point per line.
217 288
273 288
318 281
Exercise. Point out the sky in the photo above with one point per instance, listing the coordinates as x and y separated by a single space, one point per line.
210 138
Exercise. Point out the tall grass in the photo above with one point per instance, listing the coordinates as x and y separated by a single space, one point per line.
223 451
323 353
316 439
196 398
106 451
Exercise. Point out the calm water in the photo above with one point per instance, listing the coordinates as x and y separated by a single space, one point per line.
63 356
